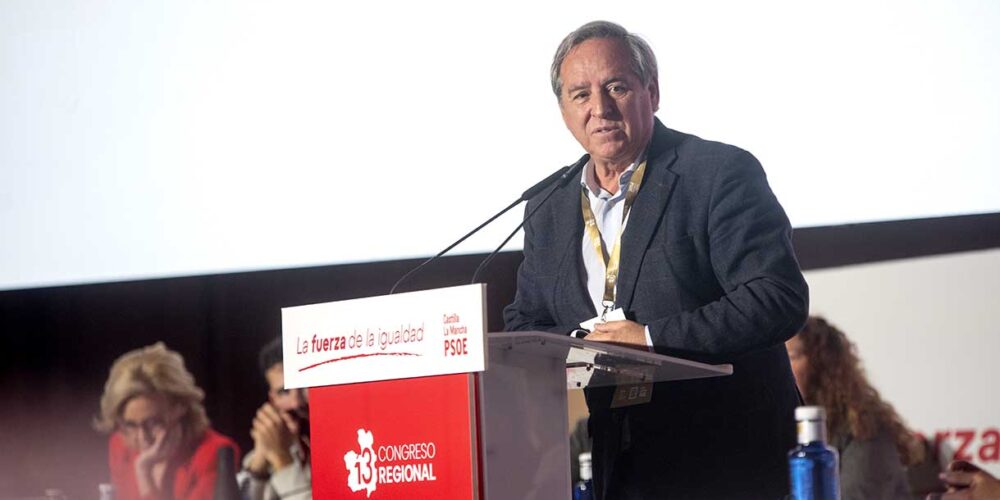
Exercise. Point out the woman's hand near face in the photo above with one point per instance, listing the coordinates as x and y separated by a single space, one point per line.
151 462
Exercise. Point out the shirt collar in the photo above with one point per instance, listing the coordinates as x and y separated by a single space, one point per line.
589 181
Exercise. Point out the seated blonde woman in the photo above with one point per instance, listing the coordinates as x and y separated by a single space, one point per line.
161 445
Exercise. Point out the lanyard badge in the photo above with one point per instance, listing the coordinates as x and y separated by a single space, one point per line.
609 305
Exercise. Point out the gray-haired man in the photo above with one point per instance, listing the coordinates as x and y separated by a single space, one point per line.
684 238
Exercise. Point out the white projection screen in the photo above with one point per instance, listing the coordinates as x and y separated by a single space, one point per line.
147 139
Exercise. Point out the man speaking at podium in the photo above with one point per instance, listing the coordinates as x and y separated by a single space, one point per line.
684 239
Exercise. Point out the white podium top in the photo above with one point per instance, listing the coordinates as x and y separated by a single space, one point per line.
599 364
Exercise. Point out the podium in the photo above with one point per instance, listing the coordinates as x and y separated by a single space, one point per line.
495 434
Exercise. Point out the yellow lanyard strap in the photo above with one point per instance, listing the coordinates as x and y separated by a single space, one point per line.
594 233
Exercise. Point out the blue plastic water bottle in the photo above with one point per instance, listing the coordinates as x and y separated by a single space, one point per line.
584 488
812 464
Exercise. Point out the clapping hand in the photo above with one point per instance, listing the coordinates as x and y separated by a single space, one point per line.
272 438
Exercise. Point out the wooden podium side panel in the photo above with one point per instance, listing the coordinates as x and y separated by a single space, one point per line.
397 439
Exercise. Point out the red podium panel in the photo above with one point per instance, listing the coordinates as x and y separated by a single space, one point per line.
396 439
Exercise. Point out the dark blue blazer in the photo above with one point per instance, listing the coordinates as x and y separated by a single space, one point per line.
707 264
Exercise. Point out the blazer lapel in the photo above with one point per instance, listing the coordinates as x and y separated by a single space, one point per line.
649 206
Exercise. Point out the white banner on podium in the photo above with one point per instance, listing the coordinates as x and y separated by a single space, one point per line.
415 334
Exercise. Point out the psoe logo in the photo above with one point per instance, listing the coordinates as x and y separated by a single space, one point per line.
361 466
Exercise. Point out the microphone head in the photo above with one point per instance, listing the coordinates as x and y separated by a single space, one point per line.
544 183
571 172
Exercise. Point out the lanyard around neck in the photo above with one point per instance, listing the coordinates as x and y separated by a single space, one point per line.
611 260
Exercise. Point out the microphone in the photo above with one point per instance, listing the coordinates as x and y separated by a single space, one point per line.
571 173
559 175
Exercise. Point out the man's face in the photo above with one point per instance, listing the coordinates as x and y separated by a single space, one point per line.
604 103
292 403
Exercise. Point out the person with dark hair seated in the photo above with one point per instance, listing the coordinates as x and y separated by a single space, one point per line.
278 466
161 445
873 442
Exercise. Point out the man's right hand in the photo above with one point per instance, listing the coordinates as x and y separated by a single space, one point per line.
271 441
